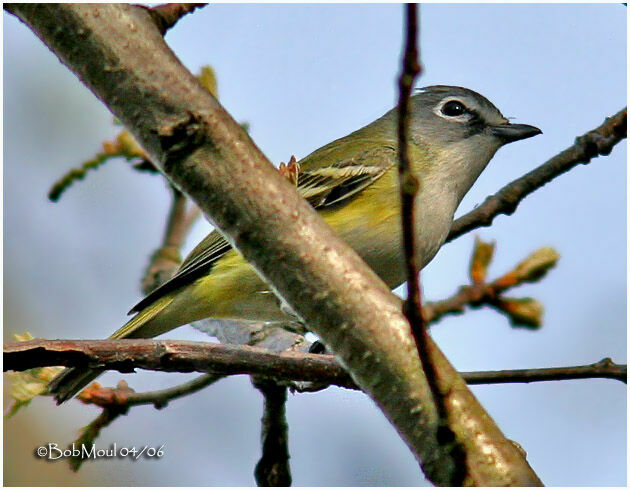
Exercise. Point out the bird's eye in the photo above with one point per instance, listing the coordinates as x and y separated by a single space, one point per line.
453 108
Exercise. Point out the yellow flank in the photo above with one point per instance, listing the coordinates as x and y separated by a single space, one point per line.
369 223
234 290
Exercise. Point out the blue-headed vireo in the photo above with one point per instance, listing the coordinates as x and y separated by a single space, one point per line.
353 183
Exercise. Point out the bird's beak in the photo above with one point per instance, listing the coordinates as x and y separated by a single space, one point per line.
508 133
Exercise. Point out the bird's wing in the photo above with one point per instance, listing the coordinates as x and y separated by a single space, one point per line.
327 185
197 264
321 184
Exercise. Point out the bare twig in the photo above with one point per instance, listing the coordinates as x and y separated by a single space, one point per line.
273 468
75 174
604 369
453 455
599 141
184 356
122 146
90 432
166 260
122 396
409 186
176 230
117 401
194 213
167 15
474 296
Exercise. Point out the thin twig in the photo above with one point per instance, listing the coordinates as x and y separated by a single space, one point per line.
194 213
604 369
167 15
124 397
166 259
74 174
273 468
599 141
409 184
454 454
175 232
117 401
90 432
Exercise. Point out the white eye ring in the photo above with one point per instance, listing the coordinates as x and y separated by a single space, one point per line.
439 110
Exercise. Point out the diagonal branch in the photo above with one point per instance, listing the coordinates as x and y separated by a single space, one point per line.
599 141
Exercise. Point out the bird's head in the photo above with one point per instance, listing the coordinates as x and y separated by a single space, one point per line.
462 131
443 114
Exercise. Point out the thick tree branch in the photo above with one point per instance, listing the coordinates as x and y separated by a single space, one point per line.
116 50
226 359
173 356
599 141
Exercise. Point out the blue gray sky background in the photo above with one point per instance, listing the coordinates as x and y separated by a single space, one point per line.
303 75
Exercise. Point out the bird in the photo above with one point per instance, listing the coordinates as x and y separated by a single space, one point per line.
353 183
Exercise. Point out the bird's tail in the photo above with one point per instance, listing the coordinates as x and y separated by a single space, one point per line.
72 380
